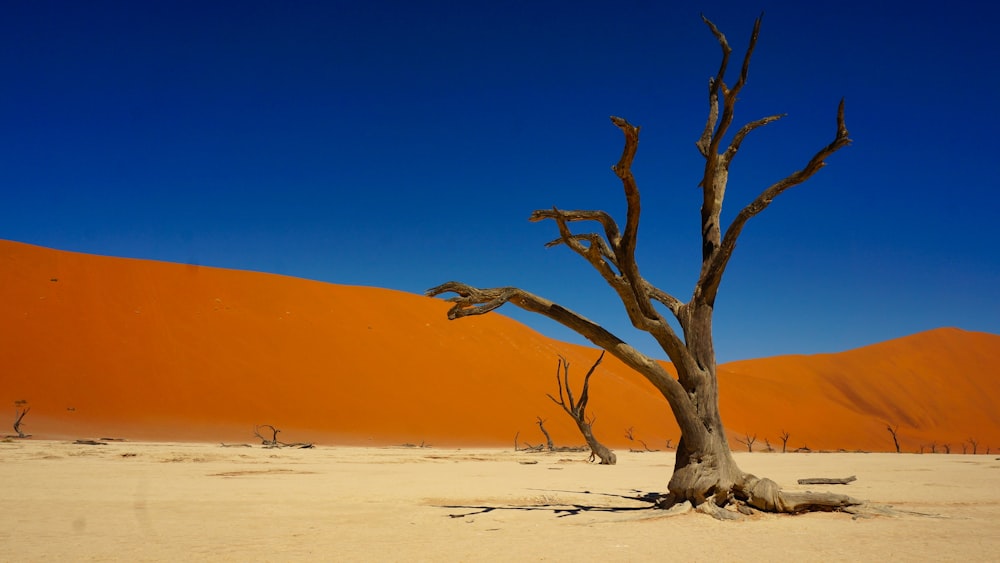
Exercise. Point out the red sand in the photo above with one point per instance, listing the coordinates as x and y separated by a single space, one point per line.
127 348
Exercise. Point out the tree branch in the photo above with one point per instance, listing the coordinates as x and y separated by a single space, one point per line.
585 393
614 256
716 175
734 145
711 145
474 301
625 251
602 217
669 301
711 276
707 144
563 366
598 253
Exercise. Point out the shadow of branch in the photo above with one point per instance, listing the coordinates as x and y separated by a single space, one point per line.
561 510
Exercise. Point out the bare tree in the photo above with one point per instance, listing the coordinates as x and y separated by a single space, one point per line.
705 471
895 439
975 445
20 411
548 439
784 441
577 409
748 441
273 441
947 448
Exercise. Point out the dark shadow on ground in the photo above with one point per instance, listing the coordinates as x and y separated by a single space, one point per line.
561 510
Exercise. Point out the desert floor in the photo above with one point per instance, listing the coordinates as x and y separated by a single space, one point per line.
191 501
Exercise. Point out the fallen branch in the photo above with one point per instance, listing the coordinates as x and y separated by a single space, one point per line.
827 480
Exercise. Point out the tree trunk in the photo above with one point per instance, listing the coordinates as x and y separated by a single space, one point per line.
598 449
548 439
704 468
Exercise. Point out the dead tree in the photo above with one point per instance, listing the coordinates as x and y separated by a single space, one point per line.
975 445
748 441
19 414
630 436
548 439
577 409
273 442
895 439
784 441
705 471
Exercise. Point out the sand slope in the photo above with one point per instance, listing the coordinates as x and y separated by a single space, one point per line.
939 387
140 349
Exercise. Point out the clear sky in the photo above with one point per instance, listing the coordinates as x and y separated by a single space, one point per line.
404 144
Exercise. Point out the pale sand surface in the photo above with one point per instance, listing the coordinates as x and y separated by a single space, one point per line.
182 501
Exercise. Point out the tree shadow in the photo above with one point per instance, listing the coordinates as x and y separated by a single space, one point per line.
561 510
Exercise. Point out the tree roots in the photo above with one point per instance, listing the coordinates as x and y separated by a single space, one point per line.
753 495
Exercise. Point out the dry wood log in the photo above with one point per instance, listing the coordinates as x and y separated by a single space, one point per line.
827 480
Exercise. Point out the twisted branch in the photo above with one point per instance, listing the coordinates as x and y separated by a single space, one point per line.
475 301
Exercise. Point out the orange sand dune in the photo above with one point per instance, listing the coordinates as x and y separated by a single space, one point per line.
938 387
127 348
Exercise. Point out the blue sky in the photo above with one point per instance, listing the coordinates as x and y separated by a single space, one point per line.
404 144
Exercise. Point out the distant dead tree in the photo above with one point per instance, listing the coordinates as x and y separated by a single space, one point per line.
892 430
20 411
947 448
784 441
548 439
933 447
748 441
577 409
767 445
273 441
975 445
630 435
705 472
